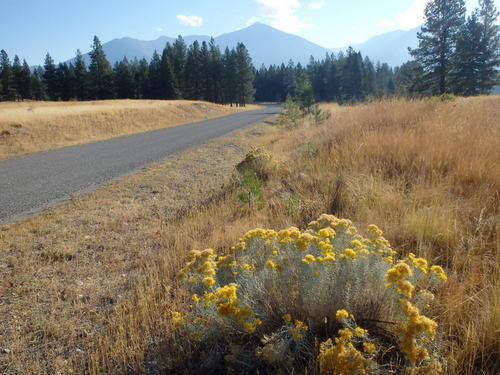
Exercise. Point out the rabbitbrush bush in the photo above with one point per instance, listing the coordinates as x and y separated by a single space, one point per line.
325 300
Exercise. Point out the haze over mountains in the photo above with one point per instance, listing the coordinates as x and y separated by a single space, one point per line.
268 45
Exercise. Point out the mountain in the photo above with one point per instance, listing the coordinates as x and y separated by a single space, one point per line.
391 47
268 45
265 44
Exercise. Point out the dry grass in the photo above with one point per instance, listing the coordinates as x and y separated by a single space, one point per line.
27 127
426 172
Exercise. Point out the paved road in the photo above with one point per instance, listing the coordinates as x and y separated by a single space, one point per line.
32 182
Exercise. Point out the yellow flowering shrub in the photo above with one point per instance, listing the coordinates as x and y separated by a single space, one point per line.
291 300
258 161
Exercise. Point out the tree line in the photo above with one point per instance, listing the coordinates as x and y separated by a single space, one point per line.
456 54
196 72
345 77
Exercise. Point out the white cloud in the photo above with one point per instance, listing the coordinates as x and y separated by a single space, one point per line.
194 21
159 29
316 4
250 21
282 14
413 16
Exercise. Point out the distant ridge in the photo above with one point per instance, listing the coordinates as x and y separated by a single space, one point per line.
268 45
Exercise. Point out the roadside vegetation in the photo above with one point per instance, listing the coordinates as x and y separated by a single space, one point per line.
425 172
27 127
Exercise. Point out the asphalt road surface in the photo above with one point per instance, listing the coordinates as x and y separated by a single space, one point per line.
33 182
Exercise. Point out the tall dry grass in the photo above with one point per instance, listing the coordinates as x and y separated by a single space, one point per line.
425 172
27 127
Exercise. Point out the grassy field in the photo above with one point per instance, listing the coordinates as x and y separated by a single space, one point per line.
27 127
90 287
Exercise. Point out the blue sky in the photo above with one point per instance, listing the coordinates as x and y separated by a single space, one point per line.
30 28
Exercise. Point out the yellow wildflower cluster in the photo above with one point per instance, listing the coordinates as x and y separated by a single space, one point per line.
299 330
200 266
419 263
228 305
341 356
294 270
438 270
416 325
417 329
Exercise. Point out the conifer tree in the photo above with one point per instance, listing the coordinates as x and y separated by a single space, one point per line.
490 46
465 77
37 86
25 81
49 77
244 75
193 84
207 80
169 89
177 56
141 74
216 72
81 77
230 77
100 73
124 80
444 20
155 84
65 81
6 77
17 73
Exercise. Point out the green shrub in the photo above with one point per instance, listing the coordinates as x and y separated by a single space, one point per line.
324 300
252 186
291 115
447 97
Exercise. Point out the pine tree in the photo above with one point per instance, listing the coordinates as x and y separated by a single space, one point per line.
351 79
25 82
193 77
49 77
369 77
17 73
124 80
207 80
81 77
155 84
141 73
216 72
37 86
65 81
6 77
244 75
177 56
169 89
444 20
465 77
490 46
230 77
100 73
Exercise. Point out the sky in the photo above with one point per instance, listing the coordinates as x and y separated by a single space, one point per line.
31 28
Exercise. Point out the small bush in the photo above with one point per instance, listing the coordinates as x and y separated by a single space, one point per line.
309 150
324 300
257 160
447 97
252 186
291 115
318 115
